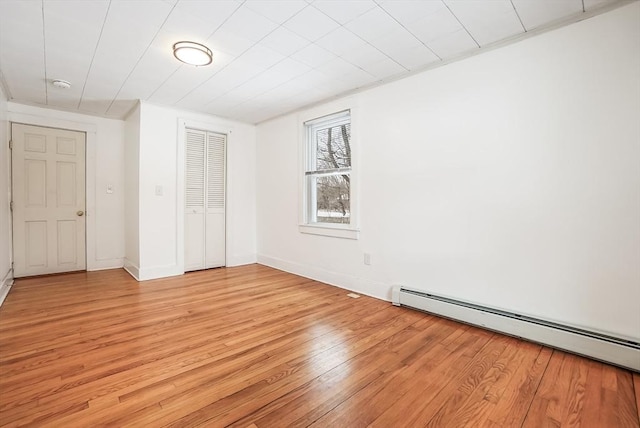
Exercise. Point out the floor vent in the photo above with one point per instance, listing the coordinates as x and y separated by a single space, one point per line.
613 350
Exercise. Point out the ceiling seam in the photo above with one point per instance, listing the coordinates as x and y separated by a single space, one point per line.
115 97
358 36
44 56
93 57
518 15
5 86
409 31
461 24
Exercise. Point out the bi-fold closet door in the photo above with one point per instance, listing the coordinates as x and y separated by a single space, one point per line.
204 199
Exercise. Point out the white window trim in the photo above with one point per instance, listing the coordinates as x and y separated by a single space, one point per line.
345 231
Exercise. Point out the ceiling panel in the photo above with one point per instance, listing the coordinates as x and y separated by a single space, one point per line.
69 53
228 42
257 60
340 69
273 77
277 11
268 55
487 21
186 25
340 41
384 69
119 51
535 13
344 11
121 107
22 50
311 24
248 24
284 41
373 24
312 81
374 62
183 80
453 44
405 49
407 11
438 22
151 71
212 12
313 56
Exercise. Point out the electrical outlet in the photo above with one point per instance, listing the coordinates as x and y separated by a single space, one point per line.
367 259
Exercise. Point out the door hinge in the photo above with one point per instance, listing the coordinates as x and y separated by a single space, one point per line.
11 206
10 144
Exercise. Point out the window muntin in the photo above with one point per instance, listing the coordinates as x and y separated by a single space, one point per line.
328 170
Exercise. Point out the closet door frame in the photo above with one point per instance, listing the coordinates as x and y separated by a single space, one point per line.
183 124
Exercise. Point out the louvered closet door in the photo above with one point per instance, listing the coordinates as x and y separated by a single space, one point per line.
214 226
204 200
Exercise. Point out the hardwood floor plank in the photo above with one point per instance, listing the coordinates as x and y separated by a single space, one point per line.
636 388
627 412
315 398
252 346
421 390
514 400
370 402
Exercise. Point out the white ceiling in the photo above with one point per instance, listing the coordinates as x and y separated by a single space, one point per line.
270 56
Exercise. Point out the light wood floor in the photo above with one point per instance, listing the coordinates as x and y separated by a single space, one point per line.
253 346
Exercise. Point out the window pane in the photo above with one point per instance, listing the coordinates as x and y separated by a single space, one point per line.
332 194
333 149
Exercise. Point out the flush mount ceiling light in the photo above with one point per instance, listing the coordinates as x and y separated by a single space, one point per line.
63 84
192 53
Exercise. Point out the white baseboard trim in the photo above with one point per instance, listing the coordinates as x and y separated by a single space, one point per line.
106 264
157 272
145 274
381 291
248 259
132 268
5 286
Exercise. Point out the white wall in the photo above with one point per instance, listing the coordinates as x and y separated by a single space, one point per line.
161 217
131 192
510 179
6 276
105 165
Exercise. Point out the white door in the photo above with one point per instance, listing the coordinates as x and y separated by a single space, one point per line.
204 200
48 170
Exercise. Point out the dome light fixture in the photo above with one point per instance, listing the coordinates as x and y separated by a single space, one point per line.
62 84
192 53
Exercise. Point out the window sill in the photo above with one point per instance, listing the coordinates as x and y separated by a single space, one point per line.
327 230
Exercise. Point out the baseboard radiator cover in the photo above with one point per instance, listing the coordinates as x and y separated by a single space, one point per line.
613 350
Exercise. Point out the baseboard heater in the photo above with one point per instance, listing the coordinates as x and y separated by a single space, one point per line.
613 350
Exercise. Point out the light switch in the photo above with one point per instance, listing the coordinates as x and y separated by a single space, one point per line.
109 188
158 190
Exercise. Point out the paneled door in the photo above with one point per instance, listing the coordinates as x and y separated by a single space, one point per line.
204 200
48 170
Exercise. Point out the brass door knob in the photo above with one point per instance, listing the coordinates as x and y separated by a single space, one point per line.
80 213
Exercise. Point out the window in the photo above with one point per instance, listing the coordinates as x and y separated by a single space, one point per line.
327 172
